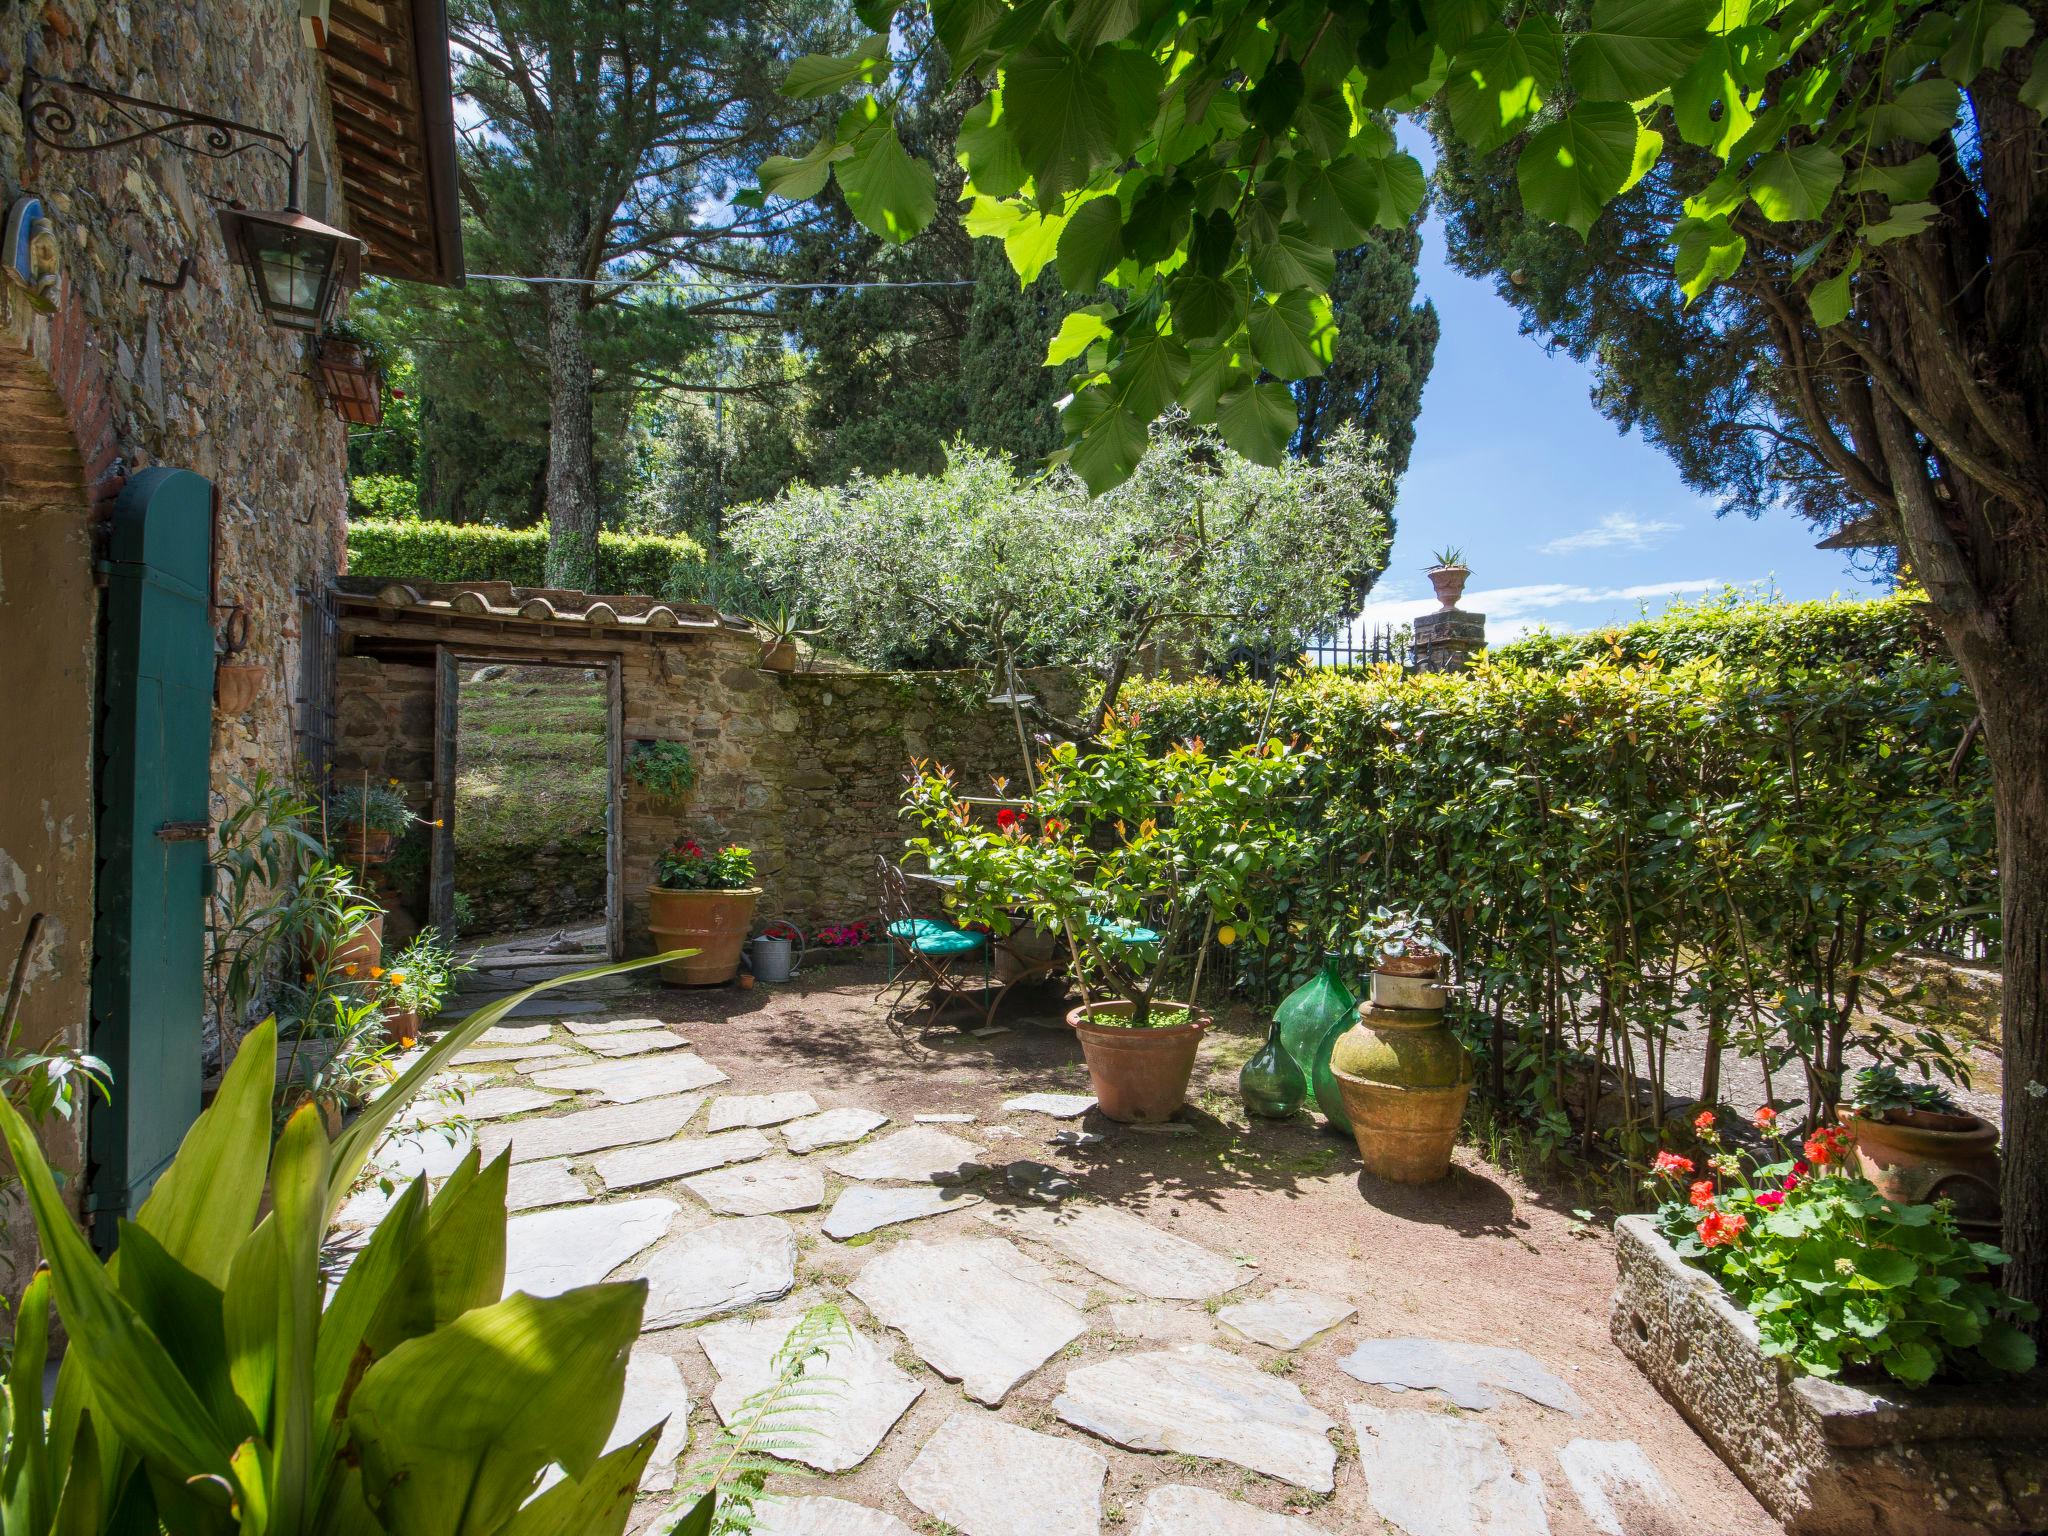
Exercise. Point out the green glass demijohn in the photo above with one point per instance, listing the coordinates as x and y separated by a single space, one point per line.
1311 1018
1270 1084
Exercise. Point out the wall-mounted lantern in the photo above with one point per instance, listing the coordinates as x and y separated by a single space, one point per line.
297 267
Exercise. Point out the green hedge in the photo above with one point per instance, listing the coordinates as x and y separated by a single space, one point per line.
1885 632
627 564
1627 855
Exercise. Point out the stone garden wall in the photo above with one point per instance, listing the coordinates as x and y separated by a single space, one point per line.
101 375
803 768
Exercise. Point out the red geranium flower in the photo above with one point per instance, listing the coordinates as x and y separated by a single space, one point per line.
1007 818
1764 1118
1720 1229
1671 1163
1826 1145
1702 1194
1771 1199
1704 1120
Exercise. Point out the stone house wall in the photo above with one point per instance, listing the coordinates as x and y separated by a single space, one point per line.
100 376
803 768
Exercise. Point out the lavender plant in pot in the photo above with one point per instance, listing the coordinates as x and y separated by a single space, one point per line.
1137 863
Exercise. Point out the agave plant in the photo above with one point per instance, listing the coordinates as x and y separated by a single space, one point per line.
212 1385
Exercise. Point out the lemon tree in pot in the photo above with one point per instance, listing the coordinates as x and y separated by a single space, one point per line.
702 901
1138 862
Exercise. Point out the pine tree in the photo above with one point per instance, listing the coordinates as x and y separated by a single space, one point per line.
1386 343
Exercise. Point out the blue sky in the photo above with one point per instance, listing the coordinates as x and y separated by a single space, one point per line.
1563 520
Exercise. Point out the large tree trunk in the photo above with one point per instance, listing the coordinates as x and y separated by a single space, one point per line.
572 474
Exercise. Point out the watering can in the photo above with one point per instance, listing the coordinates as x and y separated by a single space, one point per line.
777 950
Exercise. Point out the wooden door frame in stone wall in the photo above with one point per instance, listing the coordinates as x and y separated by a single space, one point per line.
448 663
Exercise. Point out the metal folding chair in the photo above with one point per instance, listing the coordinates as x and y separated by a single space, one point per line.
953 964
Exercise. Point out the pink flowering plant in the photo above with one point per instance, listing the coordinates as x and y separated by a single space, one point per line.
842 935
1836 1276
689 866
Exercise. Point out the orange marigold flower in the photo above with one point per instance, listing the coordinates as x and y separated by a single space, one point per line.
376 971
1671 1163
350 970
1701 1193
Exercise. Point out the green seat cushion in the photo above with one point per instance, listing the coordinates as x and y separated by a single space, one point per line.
929 936
1116 928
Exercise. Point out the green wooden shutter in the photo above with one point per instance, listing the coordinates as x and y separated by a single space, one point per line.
149 939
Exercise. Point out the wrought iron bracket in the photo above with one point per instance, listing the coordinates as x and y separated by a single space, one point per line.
55 125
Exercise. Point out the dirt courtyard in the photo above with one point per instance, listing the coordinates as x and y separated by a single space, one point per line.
1481 1257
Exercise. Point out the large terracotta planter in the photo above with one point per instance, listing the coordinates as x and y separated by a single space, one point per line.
779 657
1918 1156
363 949
714 923
1405 1079
1140 1076
366 849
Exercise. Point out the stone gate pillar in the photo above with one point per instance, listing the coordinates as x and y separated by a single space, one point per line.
1447 640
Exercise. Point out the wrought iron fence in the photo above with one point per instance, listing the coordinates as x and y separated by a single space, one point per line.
1348 647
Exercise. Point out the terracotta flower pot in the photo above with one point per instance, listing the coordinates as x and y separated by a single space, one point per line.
714 923
1405 1079
1918 1156
780 657
1409 965
363 949
403 1029
235 686
1448 581
367 848
1140 1076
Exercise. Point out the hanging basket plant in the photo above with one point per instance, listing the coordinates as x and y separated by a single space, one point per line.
345 368
666 770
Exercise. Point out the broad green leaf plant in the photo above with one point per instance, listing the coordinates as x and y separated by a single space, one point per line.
212 1383
1205 161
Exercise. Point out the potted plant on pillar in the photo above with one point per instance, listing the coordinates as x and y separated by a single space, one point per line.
1917 1145
779 635
1448 574
702 901
1138 862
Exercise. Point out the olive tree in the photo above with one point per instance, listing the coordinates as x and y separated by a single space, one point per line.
982 565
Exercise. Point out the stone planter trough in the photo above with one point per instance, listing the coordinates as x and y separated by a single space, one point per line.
1830 1458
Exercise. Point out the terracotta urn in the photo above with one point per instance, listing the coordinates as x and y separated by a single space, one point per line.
779 657
1140 1075
1918 1156
713 923
1448 581
1405 1079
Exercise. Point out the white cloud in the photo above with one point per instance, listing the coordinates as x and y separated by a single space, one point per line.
1617 530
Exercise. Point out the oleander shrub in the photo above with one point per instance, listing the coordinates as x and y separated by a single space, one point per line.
1623 852
397 549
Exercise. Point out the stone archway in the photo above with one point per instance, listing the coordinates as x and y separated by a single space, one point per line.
57 475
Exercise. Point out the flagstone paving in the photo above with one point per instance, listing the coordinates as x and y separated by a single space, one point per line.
1617 1487
759 1109
1464 1373
717 1269
1127 1250
1175 1509
916 1154
833 1128
591 1130
658 1162
1204 1401
1434 1474
859 1392
981 1313
1285 1319
760 1189
984 1477
1161 1356
629 1082
863 1208
637 1042
549 1252
821 1515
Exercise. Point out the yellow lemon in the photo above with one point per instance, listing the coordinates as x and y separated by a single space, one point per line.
1226 935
